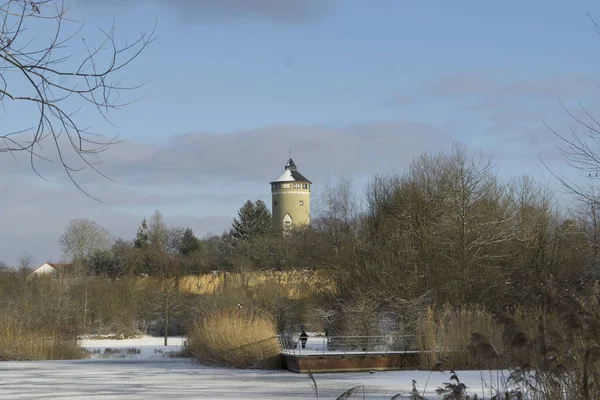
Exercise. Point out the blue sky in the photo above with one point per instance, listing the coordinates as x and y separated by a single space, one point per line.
231 71
353 87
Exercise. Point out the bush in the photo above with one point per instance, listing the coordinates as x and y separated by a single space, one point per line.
236 338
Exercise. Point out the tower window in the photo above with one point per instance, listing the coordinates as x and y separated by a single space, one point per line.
301 202
275 203
305 186
296 186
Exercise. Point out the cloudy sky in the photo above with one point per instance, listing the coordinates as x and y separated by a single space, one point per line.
351 87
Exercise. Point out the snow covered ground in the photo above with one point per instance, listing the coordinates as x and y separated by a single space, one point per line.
148 374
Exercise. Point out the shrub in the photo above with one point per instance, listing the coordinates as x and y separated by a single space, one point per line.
237 338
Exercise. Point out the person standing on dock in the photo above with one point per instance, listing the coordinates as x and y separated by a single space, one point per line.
303 338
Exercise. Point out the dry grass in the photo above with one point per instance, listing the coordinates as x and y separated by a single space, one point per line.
19 343
446 333
295 284
236 338
559 360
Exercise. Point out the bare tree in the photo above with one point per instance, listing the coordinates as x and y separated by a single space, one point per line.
169 301
588 213
338 210
82 237
42 79
162 261
580 148
24 262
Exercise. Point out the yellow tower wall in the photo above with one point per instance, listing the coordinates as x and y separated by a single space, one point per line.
287 201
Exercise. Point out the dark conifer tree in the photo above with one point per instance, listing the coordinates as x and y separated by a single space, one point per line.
254 220
189 243
141 238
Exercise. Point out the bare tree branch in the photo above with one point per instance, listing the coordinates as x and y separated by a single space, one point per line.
54 87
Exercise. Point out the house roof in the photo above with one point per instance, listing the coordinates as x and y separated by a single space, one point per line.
59 267
291 174
50 268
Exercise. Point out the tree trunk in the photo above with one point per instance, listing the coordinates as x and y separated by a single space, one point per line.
166 314
85 303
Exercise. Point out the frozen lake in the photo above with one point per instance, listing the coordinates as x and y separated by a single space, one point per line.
150 375
183 379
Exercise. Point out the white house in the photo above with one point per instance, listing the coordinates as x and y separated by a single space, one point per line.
49 268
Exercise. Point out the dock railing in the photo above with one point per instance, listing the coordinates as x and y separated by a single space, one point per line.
343 345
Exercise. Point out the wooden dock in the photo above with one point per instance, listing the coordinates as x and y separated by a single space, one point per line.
349 354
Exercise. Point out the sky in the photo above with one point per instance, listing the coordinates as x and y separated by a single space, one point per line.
352 88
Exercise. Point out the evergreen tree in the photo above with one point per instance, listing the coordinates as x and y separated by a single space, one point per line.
141 238
254 220
189 243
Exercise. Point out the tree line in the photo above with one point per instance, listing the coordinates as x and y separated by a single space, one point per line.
158 249
445 230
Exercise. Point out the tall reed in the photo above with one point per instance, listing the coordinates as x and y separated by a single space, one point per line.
237 338
445 334
17 342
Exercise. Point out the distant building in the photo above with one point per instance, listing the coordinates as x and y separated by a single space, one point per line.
290 194
50 269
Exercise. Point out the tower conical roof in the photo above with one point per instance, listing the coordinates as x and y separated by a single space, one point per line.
291 174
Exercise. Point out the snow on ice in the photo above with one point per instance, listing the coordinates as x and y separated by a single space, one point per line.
152 374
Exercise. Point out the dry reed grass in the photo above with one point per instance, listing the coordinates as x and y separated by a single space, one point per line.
295 284
445 334
236 338
19 343
558 361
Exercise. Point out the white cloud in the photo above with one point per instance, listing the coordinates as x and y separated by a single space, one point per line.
258 155
197 179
